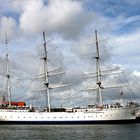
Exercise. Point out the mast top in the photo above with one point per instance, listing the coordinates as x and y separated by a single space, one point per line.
44 36
6 39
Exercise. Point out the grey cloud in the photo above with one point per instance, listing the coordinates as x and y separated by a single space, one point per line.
67 18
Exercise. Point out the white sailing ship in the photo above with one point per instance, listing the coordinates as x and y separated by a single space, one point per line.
18 112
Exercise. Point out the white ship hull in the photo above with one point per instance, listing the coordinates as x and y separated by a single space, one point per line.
91 116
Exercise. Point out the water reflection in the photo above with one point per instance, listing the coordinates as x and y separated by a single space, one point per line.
70 132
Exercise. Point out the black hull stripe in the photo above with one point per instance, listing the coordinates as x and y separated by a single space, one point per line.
71 122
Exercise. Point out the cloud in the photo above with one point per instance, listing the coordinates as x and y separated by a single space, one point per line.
64 17
5 7
136 73
126 49
134 2
8 26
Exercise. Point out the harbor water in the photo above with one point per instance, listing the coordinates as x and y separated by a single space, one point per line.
70 132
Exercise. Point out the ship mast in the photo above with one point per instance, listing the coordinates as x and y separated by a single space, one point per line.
98 72
46 78
7 73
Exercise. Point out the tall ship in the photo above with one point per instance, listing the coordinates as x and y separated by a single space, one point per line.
19 113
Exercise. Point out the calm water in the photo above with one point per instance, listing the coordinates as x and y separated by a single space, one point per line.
70 132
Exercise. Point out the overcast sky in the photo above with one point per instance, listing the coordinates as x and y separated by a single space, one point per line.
70 24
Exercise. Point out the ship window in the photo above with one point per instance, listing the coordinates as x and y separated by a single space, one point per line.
60 117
